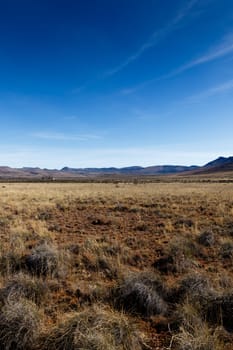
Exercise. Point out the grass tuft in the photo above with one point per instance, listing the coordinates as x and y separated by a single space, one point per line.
94 329
43 260
19 325
24 286
141 293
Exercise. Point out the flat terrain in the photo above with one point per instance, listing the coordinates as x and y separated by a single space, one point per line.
116 266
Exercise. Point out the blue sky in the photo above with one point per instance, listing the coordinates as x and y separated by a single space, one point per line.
115 82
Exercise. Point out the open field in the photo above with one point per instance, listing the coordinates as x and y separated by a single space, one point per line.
116 266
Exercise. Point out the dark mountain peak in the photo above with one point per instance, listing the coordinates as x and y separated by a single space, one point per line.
66 168
219 162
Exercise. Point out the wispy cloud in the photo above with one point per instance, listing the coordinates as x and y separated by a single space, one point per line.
79 89
155 38
219 89
218 51
135 88
56 136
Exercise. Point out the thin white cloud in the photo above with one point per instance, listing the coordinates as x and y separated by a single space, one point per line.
221 50
131 90
219 89
155 37
56 136
79 89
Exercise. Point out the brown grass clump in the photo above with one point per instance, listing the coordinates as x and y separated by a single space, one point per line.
179 256
196 334
195 287
226 250
220 311
24 286
206 239
43 260
11 254
100 256
10 262
141 293
94 329
19 325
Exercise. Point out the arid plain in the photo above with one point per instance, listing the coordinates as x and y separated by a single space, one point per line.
116 265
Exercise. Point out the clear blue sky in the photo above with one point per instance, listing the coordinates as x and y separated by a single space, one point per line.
115 82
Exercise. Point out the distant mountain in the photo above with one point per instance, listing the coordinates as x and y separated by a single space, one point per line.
220 164
70 173
133 170
167 169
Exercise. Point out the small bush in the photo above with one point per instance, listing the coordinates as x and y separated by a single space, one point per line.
206 239
10 262
178 257
165 264
19 325
43 260
220 311
226 250
196 288
141 293
25 286
103 264
194 333
94 329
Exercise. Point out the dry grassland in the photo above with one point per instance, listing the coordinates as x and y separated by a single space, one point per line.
116 266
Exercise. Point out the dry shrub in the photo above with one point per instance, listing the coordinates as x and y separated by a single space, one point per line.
10 262
165 264
19 325
45 214
193 288
206 239
195 334
94 329
220 311
43 260
100 247
178 256
24 286
196 287
141 293
226 250
100 220
213 305
11 255
100 256
104 264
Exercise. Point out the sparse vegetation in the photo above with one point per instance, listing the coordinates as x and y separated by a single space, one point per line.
126 266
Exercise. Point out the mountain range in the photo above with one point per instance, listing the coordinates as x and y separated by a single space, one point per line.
221 164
